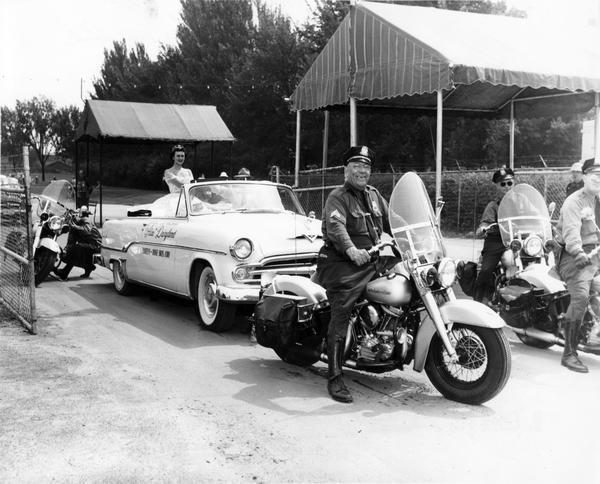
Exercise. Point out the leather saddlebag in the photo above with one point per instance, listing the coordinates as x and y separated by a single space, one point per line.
276 319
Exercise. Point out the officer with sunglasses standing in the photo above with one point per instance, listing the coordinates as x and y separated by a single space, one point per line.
493 248
578 234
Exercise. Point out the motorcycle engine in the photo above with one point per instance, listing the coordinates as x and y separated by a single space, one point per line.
376 347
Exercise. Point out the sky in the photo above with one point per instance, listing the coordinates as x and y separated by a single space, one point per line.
56 47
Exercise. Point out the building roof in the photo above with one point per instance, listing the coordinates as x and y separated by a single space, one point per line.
148 121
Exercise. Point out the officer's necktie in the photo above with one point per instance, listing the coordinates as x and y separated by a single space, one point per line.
369 217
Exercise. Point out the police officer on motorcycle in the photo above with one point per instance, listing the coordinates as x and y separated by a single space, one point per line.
354 217
578 234
493 247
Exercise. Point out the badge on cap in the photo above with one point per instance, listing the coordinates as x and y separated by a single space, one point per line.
364 151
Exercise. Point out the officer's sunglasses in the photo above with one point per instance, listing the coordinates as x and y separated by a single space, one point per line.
506 184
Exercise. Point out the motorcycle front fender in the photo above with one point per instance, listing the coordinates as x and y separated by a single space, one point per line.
49 244
464 311
299 285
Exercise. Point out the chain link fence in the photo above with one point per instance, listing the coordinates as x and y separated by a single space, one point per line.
465 193
17 290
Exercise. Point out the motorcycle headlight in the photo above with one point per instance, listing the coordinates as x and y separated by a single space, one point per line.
55 223
446 272
533 246
241 249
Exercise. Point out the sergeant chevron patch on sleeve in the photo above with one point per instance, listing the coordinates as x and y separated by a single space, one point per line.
336 215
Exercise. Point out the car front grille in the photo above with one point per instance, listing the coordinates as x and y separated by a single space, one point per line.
299 264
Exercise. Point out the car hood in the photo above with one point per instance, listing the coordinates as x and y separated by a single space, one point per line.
271 233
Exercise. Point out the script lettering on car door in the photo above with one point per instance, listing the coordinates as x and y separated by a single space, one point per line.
159 232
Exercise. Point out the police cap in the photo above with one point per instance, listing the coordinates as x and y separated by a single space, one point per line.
590 165
502 174
360 154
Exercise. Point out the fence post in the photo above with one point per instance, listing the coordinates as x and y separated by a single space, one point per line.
29 239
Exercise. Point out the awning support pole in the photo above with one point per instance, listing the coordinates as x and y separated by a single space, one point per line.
511 148
297 167
597 127
100 176
325 138
438 149
353 123
77 174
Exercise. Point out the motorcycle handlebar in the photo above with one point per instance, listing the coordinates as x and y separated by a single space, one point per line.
380 246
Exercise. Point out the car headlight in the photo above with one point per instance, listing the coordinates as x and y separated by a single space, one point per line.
533 246
241 249
446 272
55 223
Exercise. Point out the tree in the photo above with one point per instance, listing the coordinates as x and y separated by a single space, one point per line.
213 39
130 75
63 130
11 138
34 124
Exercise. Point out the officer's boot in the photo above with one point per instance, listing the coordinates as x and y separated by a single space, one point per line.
570 359
64 272
336 387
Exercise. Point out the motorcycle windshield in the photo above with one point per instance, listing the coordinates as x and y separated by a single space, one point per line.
57 197
413 222
523 212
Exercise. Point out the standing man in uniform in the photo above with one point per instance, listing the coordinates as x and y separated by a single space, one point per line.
493 248
354 218
577 182
578 234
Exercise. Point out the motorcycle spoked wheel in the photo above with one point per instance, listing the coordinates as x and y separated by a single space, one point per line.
43 263
483 367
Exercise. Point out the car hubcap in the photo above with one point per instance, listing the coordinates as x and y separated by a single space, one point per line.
209 297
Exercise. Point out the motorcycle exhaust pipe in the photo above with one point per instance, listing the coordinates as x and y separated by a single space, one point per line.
348 363
541 335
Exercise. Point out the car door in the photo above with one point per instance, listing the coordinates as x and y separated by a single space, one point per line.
157 247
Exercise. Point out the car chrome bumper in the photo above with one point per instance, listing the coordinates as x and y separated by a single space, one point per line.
238 294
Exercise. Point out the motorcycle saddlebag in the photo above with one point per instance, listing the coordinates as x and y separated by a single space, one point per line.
467 274
276 318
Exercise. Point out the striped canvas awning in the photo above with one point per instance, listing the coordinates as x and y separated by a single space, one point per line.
400 56
147 121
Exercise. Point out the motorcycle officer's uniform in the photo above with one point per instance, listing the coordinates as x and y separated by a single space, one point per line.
352 218
493 247
577 233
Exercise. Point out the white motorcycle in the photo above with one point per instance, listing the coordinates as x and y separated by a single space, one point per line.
406 315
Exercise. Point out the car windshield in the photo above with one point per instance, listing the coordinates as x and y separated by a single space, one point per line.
242 197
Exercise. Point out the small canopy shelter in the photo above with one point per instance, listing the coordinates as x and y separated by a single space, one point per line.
121 122
432 60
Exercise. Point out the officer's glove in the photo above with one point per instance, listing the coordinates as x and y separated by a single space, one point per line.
582 260
358 256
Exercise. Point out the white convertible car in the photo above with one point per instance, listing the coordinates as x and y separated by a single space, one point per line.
211 242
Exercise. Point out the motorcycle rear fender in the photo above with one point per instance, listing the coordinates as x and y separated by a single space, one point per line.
299 285
49 244
538 276
464 311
